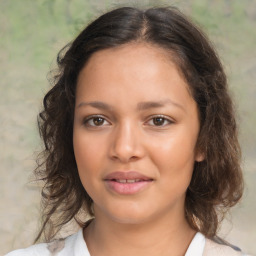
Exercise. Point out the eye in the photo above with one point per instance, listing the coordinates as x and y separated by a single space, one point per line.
94 121
160 121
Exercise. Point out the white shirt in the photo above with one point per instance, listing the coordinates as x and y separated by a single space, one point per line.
196 246
75 245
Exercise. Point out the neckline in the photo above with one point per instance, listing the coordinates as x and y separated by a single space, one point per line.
196 247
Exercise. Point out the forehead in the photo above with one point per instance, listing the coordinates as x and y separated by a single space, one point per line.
138 70
134 57
126 53
135 48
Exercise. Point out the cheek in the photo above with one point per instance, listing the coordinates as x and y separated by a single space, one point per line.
175 157
88 159
177 149
87 154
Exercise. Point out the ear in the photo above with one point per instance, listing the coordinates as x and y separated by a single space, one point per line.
199 157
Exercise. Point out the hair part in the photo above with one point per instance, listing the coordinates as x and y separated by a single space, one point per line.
217 182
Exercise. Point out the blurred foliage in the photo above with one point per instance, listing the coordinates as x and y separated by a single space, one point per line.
33 31
31 34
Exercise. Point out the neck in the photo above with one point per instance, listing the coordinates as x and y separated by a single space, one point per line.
163 236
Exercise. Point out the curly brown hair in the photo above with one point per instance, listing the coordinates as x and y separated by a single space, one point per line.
217 182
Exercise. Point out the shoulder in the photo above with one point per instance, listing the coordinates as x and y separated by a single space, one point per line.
63 247
212 249
34 250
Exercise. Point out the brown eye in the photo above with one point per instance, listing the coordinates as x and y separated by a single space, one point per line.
98 121
158 121
94 121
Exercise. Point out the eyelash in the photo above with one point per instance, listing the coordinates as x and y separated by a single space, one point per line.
89 118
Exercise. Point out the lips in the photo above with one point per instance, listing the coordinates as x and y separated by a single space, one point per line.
127 175
127 182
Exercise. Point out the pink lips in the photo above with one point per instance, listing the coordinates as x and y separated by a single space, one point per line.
127 182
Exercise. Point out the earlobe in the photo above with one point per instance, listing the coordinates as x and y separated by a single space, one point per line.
199 157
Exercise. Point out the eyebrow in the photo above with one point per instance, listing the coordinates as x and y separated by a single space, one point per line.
140 106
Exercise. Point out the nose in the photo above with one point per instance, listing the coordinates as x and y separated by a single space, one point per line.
126 143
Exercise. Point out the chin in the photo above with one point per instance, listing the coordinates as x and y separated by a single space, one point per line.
129 216
128 219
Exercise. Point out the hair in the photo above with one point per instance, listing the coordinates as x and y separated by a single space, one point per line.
217 182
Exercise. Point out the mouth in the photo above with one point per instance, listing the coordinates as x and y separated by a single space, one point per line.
127 183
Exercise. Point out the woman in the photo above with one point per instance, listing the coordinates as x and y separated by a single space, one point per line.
140 134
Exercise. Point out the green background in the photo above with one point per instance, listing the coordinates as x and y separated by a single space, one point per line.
31 34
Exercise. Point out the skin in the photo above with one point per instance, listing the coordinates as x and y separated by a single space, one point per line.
152 221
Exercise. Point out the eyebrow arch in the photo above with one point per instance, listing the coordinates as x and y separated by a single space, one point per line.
140 106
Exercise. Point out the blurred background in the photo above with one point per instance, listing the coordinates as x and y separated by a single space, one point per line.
31 34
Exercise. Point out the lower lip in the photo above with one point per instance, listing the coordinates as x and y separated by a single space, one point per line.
127 188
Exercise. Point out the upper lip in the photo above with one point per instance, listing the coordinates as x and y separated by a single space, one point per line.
126 175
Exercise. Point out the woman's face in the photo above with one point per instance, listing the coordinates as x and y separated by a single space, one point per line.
135 132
